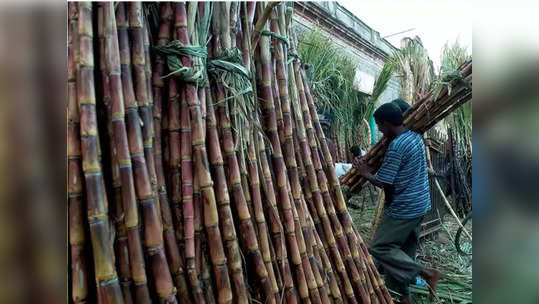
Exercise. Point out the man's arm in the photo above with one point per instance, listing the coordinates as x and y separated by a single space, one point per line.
371 178
385 176
388 188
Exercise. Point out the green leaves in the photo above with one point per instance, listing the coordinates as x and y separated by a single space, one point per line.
229 61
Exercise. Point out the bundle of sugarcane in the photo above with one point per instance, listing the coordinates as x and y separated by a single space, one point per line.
221 181
450 93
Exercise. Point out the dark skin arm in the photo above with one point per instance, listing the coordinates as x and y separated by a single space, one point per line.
365 171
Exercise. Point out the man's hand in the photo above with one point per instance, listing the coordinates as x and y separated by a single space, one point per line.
362 166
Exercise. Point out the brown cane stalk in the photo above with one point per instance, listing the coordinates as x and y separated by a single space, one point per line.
123 158
353 237
290 158
223 203
234 176
77 237
172 251
247 11
121 242
320 194
211 219
97 206
266 97
153 230
260 23
187 202
221 190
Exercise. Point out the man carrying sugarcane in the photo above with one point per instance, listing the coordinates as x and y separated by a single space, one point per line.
404 178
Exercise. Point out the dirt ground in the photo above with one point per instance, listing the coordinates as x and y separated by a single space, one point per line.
435 251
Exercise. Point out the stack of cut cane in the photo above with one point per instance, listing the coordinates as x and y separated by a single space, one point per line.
422 116
198 169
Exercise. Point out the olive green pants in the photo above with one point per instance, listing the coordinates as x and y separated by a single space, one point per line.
393 248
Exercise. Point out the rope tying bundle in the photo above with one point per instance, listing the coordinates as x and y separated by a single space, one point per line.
275 35
228 61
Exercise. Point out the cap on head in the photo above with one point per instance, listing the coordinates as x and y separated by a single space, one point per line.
390 113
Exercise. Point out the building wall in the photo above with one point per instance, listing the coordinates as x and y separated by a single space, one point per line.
357 40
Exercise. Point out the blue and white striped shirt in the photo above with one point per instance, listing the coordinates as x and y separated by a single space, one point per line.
405 167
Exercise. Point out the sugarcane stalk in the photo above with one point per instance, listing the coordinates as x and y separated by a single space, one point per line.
353 237
153 229
259 212
120 139
187 202
205 275
324 262
289 154
223 203
303 212
144 100
221 188
266 96
256 163
320 194
275 225
77 237
415 121
422 116
254 177
105 273
197 221
121 242
247 10
448 205
211 220
261 22
234 177
172 251
373 273
174 143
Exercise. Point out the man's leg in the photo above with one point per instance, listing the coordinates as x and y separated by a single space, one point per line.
431 276
386 248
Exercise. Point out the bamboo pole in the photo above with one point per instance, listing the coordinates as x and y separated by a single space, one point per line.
97 206
211 220
448 205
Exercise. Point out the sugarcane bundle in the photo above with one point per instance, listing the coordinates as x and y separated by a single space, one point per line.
452 92
222 185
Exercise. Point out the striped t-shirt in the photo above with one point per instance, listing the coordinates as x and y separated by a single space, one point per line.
405 167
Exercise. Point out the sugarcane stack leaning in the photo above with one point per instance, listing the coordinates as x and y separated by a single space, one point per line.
198 169
423 115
